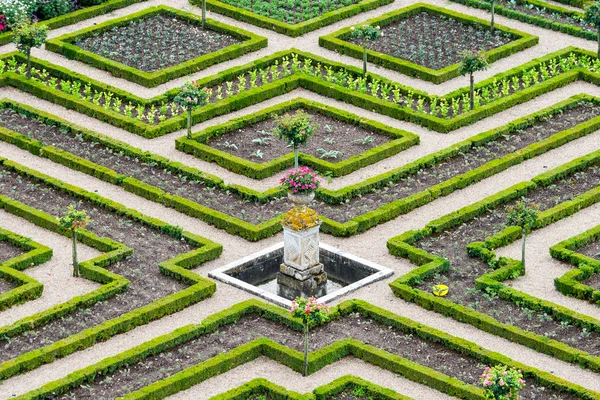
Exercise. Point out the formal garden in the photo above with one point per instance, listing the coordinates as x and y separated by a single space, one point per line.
300 200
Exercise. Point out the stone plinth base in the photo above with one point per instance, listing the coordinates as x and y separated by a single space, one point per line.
310 281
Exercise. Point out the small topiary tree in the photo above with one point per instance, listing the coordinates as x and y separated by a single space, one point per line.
190 97
501 382
74 220
295 129
364 33
311 313
472 61
524 215
592 17
28 34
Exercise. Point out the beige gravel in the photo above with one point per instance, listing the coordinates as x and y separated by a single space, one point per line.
370 245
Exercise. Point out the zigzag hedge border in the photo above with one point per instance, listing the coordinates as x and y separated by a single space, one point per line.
400 140
506 268
294 30
294 359
265 229
112 283
27 287
289 83
336 41
570 284
63 45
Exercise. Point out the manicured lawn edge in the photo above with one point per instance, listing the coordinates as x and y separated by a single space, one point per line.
570 284
429 264
336 41
64 45
294 359
77 16
401 140
294 30
27 288
177 267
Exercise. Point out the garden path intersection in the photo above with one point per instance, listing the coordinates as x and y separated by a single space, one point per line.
427 200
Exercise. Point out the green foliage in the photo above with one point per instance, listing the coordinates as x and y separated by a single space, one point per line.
29 34
74 219
365 32
311 312
472 61
54 8
501 382
294 128
190 96
592 14
523 214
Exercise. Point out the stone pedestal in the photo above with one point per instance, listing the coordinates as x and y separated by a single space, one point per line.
301 270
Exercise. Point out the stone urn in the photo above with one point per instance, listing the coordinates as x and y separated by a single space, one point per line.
301 198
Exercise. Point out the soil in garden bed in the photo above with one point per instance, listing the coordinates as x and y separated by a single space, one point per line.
434 41
156 42
394 340
254 212
333 141
592 250
147 284
290 11
8 251
464 269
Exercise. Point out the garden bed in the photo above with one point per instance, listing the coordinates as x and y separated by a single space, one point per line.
8 251
426 41
156 45
592 250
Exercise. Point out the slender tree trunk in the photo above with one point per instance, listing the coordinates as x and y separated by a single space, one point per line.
29 64
364 61
203 13
189 123
523 249
492 25
305 372
295 156
598 42
472 92
75 263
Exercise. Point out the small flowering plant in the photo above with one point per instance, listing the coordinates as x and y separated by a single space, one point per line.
190 97
295 129
300 180
501 382
311 312
3 23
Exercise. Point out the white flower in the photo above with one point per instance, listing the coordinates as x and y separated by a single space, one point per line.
352 28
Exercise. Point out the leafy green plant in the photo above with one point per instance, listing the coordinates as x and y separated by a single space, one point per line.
501 382
28 34
523 215
74 220
311 313
362 34
296 129
472 61
592 17
189 98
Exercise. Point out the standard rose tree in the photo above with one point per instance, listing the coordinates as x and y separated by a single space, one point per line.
523 215
592 17
501 382
362 34
295 129
311 313
300 180
74 220
28 34
472 61
190 97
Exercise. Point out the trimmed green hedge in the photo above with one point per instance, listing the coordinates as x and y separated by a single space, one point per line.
197 146
570 284
293 30
27 288
294 359
77 16
265 229
535 19
64 45
430 264
337 41
286 85
94 269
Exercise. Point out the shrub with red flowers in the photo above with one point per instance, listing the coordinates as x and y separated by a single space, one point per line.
295 129
300 180
501 382
3 24
190 97
312 313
